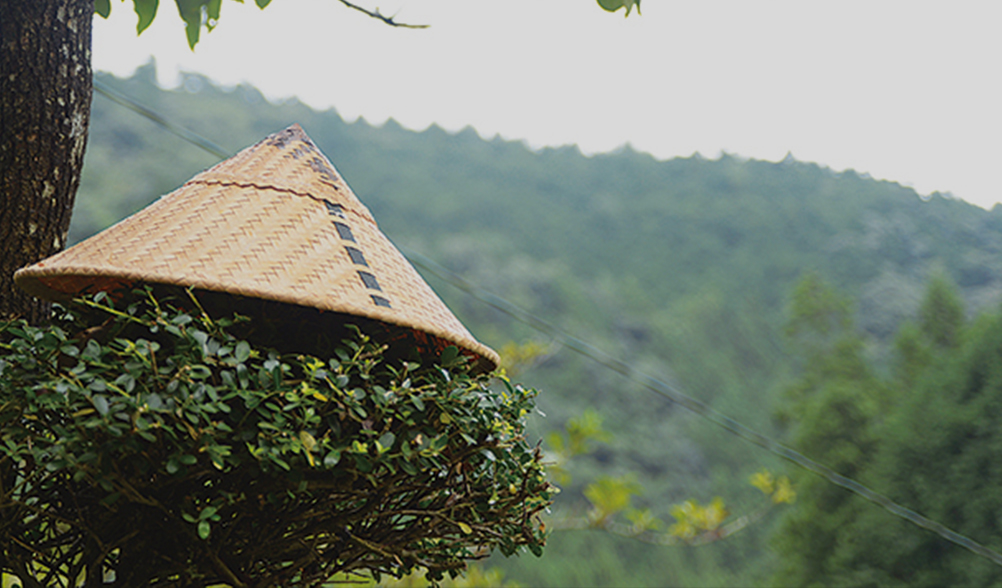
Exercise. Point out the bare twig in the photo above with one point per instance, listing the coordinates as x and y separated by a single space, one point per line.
223 569
380 16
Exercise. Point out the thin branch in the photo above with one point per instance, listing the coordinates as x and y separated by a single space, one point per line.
224 569
380 16
646 536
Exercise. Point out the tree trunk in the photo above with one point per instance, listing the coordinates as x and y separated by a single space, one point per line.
45 94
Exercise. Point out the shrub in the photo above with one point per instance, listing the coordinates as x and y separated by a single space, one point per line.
144 444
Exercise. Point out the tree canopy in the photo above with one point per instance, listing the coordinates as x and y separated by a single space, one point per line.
925 436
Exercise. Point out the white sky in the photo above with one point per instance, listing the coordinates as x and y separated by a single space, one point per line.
905 91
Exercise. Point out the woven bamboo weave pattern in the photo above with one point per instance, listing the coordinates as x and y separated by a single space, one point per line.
276 222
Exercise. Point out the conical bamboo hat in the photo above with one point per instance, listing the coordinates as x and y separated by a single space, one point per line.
275 222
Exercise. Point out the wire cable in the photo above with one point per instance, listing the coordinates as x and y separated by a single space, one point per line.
615 364
700 408
190 136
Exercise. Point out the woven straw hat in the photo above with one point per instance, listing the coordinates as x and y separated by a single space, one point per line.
274 222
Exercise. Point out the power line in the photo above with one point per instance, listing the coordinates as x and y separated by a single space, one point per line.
190 136
700 408
591 352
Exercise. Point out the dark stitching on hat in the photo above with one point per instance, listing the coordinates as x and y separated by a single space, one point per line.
380 301
370 280
356 256
344 231
259 186
334 209
321 167
281 138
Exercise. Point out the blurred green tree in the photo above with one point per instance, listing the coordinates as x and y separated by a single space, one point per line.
829 412
940 321
941 316
938 456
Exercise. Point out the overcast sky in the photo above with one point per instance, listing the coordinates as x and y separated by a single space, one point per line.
905 91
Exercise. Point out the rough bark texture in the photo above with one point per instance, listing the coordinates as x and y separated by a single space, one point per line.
45 94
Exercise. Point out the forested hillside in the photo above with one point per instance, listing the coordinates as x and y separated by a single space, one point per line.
684 267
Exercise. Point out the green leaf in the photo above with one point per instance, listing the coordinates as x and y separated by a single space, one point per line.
408 467
102 7
262 3
92 351
191 14
332 459
212 9
126 381
243 376
204 528
307 440
242 352
449 355
386 442
146 10
101 404
614 5
181 319
362 463
154 402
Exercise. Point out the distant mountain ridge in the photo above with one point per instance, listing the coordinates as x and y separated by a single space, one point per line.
603 214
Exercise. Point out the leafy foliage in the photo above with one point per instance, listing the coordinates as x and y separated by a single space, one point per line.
146 442
575 440
611 497
780 490
693 518
199 14
195 14
474 577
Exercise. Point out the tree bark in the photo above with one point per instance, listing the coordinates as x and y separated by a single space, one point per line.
45 95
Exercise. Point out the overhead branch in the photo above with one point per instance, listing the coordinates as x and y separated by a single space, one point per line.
380 16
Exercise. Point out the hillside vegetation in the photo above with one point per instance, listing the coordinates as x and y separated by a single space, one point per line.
683 267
